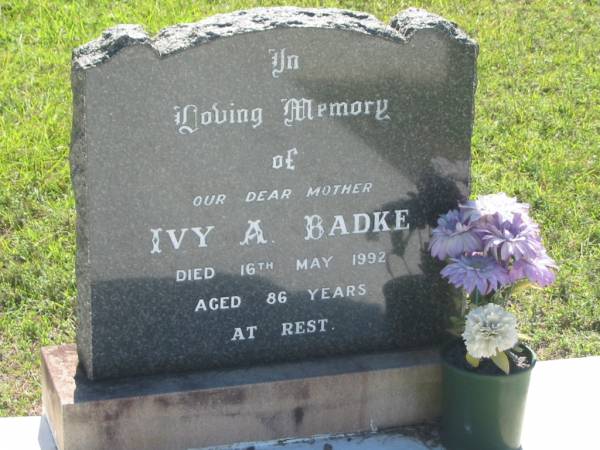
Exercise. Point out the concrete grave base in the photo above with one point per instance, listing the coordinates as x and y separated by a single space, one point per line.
193 410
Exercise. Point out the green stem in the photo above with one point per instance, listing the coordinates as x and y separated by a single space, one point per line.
476 297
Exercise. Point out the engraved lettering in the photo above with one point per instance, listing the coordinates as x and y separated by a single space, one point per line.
382 106
254 231
338 109
313 263
219 115
239 335
202 234
196 274
218 303
304 327
314 227
296 110
357 223
209 200
338 189
328 293
356 108
186 118
254 268
300 109
155 240
360 223
174 240
286 329
177 237
401 223
280 61
261 196
289 161
361 259
339 226
379 223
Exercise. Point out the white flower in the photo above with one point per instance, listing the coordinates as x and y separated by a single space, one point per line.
489 329
488 205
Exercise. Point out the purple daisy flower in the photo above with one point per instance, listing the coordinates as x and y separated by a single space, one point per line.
539 270
517 238
500 205
477 271
453 236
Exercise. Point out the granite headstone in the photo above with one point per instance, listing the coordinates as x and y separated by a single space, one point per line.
260 187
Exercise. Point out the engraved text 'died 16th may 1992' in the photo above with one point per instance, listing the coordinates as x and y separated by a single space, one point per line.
264 192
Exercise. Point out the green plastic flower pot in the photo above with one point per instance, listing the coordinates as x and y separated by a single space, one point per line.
483 412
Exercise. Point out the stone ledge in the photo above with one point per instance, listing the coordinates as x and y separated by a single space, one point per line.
569 414
193 410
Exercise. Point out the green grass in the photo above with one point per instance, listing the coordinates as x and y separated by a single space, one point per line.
536 137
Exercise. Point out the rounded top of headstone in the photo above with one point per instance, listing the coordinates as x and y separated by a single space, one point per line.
180 37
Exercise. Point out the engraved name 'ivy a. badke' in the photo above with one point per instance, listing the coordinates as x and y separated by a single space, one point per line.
316 227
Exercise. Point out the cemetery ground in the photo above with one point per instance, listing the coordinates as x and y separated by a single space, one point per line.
535 137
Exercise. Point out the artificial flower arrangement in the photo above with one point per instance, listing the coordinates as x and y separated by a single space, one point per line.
491 245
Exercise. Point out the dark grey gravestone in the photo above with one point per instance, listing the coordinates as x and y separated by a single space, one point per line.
260 186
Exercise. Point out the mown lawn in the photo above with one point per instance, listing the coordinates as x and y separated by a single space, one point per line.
536 137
